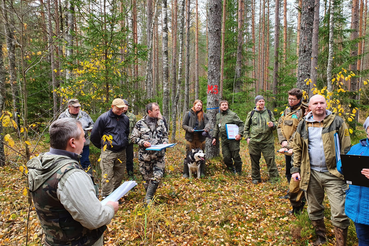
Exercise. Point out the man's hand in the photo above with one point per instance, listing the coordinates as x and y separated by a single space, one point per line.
365 172
270 124
115 205
284 144
147 144
248 140
290 151
237 137
214 142
296 176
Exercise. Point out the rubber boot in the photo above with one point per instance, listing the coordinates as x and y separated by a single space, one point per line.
185 169
319 231
151 191
341 236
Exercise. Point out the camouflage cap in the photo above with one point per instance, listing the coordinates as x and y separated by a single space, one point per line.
74 103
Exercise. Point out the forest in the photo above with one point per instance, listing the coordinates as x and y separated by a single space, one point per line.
173 52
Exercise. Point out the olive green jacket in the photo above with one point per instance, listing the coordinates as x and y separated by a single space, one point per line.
301 161
223 118
257 129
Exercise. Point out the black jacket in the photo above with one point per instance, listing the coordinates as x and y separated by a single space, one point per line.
110 124
190 122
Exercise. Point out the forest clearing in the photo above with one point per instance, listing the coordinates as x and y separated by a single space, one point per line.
220 209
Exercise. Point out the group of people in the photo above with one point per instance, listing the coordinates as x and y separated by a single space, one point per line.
75 216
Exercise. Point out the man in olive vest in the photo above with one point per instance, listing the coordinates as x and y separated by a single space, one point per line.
63 193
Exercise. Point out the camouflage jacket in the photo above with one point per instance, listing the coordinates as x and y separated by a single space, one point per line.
132 123
45 173
142 133
82 117
222 119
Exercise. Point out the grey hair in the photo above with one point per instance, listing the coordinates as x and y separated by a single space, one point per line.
149 106
62 130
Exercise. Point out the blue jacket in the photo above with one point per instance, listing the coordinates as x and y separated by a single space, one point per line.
116 126
357 197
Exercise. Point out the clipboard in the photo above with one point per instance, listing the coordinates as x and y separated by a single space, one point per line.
351 168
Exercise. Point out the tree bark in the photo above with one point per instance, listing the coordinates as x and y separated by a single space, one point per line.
330 46
285 30
174 52
238 72
176 98
149 30
165 62
276 51
222 49
306 35
69 37
215 13
354 49
2 99
187 69
197 86
315 46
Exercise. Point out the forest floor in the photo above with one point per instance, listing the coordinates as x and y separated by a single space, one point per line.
220 209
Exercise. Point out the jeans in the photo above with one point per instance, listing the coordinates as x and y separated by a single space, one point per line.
85 160
362 233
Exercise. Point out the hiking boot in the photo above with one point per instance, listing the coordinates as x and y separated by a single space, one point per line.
319 231
341 236
255 181
151 191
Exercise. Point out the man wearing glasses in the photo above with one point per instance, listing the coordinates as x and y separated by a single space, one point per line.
74 111
287 125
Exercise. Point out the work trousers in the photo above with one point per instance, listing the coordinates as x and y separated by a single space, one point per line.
231 155
113 166
267 149
129 158
335 188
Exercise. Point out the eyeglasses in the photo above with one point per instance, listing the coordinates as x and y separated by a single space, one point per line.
292 99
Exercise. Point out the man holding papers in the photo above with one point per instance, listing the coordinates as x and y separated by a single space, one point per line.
148 131
259 126
314 165
63 193
230 144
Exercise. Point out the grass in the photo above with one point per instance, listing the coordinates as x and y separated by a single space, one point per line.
220 209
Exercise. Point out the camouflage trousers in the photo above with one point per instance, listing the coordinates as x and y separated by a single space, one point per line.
231 155
152 170
267 149
113 166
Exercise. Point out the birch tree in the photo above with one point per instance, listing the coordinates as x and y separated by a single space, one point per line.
176 98
215 13
187 66
165 61
330 46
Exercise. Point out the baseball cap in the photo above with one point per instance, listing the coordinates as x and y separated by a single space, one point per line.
74 103
118 102
126 102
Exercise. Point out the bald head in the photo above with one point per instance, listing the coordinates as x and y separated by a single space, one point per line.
318 106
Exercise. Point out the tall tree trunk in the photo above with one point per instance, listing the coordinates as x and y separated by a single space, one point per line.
315 46
174 53
187 69
180 68
215 13
285 30
354 49
253 41
330 46
222 49
149 30
266 70
238 72
306 36
135 44
69 38
298 28
2 99
360 33
10 43
363 45
276 51
52 65
165 62
262 47
197 86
